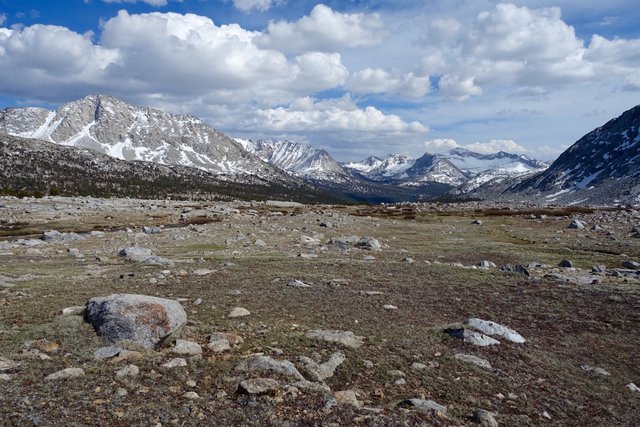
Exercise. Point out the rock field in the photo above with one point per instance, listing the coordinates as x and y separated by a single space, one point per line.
162 312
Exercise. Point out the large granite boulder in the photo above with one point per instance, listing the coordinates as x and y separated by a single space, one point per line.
144 319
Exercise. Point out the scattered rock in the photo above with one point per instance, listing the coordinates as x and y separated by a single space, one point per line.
5 377
233 339
598 268
175 363
347 397
631 265
144 319
151 230
487 264
346 338
320 372
471 337
191 395
219 346
202 272
423 405
135 253
266 364
565 263
259 386
484 418
633 387
418 366
576 224
65 374
128 371
477 222
389 307
107 352
492 328
73 311
8 365
259 242
295 283
468 358
369 243
595 370
239 312
515 268
187 348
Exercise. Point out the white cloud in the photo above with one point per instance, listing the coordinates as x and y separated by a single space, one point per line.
324 30
440 145
260 5
496 145
490 147
632 82
458 88
3 18
372 80
149 2
335 115
46 59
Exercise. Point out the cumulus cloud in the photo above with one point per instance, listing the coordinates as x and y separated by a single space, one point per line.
324 30
335 115
520 47
440 145
490 147
45 58
496 145
248 5
375 80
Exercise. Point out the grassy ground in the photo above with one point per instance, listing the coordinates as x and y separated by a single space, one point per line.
566 325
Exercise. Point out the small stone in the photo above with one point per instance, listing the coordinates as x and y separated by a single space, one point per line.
576 225
599 268
151 230
484 418
65 374
320 372
631 265
595 370
259 386
73 311
191 383
239 312
347 397
295 283
367 364
424 405
121 392
202 272
187 348
346 338
546 415
191 395
395 373
175 363
486 264
233 339
128 371
400 381
259 242
565 263
219 346
468 358
633 387
7 365
416 366
471 337
5 377
408 260
477 222
107 352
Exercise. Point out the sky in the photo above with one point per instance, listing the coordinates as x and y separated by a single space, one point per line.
356 77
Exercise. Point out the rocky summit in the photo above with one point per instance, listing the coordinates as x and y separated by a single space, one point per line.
413 314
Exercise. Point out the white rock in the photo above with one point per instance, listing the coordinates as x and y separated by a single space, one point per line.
239 312
175 363
128 371
492 328
188 348
65 374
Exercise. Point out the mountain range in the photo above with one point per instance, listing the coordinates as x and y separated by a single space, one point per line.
608 158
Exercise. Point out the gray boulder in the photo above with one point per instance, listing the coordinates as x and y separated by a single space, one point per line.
266 364
478 361
346 338
320 372
259 386
424 405
471 337
144 319
369 244
576 224
492 328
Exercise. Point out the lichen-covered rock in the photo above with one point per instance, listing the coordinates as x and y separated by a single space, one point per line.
346 338
492 328
144 319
